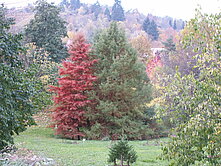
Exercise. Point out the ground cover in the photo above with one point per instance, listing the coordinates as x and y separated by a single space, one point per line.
42 142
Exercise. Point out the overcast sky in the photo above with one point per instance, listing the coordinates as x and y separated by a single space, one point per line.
183 9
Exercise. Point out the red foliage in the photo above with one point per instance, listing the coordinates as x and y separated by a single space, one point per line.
71 94
152 65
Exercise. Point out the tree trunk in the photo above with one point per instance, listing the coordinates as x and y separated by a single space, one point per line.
122 161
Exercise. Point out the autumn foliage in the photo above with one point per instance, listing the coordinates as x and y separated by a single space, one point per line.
71 100
152 65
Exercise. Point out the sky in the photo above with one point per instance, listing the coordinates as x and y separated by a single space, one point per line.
180 9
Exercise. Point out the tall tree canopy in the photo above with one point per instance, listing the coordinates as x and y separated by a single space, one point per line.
122 87
15 105
192 101
46 30
117 12
150 27
71 97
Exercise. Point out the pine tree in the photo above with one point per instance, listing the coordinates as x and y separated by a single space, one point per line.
46 30
146 24
64 3
122 151
150 27
117 12
183 25
153 30
174 25
169 44
96 9
75 4
71 97
107 13
121 89
170 23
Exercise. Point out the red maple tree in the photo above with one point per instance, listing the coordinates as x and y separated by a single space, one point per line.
71 97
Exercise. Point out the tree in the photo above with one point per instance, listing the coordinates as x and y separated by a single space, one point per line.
64 3
107 14
174 25
152 64
150 27
183 25
169 44
117 12
143 46
122 87
75 4
122 151
41 72
71 97
96 9
15 105
46 30
192 101
170 23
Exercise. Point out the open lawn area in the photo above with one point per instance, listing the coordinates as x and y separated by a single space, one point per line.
42 142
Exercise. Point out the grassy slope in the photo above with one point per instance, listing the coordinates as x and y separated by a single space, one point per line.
79 153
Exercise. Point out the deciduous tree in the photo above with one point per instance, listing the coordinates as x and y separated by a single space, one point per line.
192 101
16 108
71 97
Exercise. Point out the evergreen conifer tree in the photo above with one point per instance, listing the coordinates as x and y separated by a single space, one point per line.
146 24
71 97
96 9
174 25
46 30
170 23
117 12
107 13
122 151
122 87
150 27
183 25
64 3
153 30
169 44
75 4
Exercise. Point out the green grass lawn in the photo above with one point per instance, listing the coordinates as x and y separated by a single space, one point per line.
78 153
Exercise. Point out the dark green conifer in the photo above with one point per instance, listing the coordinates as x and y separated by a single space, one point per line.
96 9
123 152
107 13
150 27
75 4
117 12
122 87
46 30
169 44
174 25
170 23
